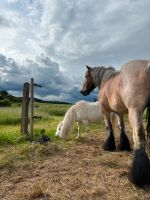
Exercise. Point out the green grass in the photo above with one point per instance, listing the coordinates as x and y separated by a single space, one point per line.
52 109
77 159
10 120
13 145
13 148
52 114
10 115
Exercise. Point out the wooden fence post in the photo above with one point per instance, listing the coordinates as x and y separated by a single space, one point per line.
31 108
25 110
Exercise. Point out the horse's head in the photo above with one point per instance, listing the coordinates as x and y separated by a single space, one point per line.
88 85
58 131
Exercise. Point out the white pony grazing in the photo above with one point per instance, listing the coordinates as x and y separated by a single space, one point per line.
82 112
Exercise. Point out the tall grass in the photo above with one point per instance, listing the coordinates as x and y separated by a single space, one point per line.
13 149
10 121
52 109
10 115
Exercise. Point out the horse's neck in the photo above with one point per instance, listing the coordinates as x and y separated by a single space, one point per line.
102 75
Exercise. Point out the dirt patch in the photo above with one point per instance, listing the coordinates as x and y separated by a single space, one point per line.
83 171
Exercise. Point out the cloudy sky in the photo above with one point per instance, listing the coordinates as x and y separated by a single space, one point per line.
53 40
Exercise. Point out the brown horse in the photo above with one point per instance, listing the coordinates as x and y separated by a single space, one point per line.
129 92
95 77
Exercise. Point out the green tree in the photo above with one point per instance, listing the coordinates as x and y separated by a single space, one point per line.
4 93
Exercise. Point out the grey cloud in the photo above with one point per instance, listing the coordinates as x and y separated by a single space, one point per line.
75 33
4 22
42 69
98 32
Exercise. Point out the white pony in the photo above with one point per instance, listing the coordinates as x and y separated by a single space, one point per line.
82 112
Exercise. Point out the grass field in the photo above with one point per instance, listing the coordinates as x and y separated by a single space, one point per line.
61 169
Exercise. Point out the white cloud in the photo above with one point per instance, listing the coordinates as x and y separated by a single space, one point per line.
73 33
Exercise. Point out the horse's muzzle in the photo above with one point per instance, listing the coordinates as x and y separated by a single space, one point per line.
84 93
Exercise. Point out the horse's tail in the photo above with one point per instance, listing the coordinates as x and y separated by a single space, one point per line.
148 67
68 120
148 121
148 109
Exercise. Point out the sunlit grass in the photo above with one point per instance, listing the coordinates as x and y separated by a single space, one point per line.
10 121
78 159
13 146
10 115
10 124
12 142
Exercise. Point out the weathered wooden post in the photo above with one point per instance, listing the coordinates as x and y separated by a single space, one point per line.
25 110
31 108
32 84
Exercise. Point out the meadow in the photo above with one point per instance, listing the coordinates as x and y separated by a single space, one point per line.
61 169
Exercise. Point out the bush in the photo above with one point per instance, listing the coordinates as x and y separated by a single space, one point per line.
4 93
5 103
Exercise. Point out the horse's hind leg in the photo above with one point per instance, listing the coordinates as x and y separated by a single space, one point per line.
124 144
110 141
139 173
79 131
89 134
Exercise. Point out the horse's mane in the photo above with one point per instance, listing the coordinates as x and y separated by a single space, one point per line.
102 74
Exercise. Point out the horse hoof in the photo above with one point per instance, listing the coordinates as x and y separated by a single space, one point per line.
109 144
124 143
78 138
139 173
109 148
124 147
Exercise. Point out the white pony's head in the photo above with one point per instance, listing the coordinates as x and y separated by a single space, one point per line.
58 130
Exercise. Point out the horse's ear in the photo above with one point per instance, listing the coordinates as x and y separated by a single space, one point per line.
89 68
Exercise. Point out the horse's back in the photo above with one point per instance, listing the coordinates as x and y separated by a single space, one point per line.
135 65
136 72
134 83
130 88
88 111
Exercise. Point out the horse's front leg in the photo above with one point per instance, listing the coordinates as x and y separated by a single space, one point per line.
139 173
110 140
124 144
86 123
79 131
